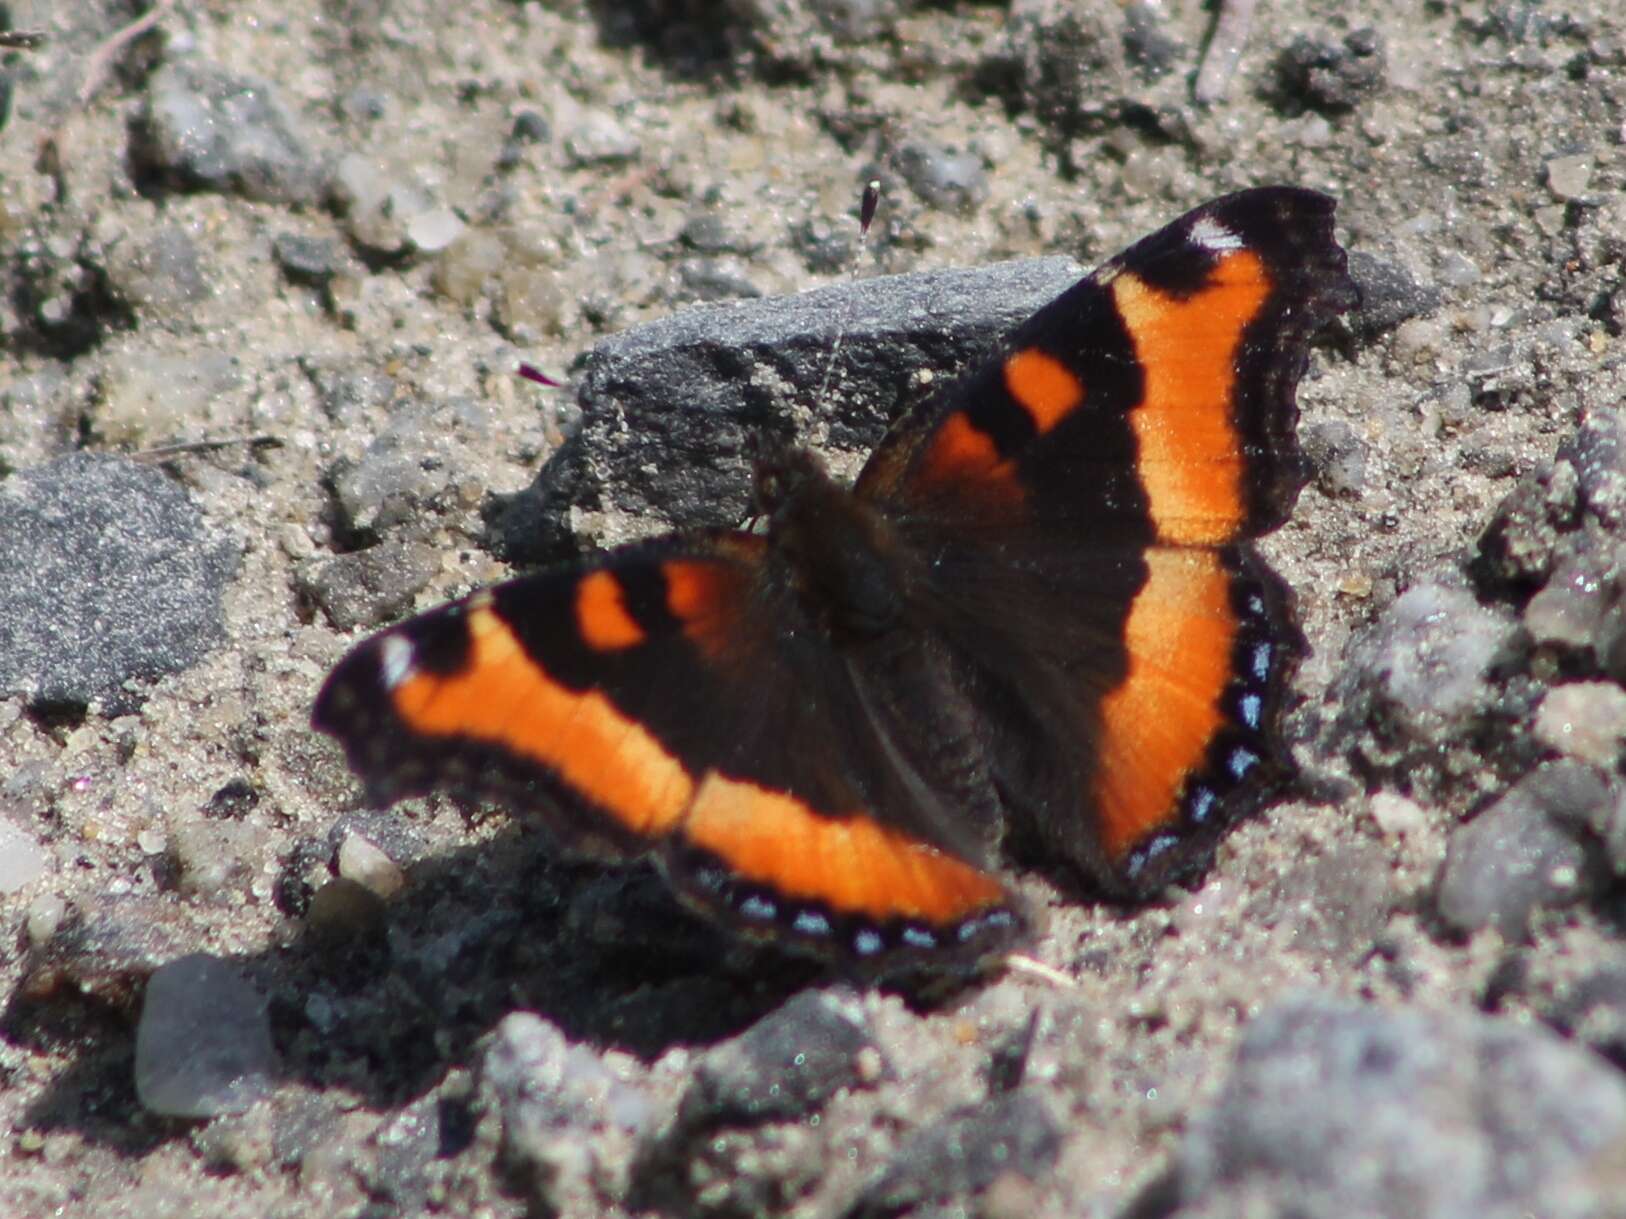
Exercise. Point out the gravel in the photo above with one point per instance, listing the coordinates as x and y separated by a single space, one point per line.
264 284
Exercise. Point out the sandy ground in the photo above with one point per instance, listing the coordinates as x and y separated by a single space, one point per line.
440 191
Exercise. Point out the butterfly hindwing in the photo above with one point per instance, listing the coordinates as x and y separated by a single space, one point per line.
1086 495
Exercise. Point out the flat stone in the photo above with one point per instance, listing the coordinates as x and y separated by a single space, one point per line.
1337 1108
1523 852
203 127
22 859
203 1044
111 580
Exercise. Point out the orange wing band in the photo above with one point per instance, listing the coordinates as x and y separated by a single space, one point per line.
1191 462
503 697
851 864
1156 726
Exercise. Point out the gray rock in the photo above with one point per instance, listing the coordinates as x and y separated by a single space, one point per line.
1336 1109
205 128
1429 657
1337 455
369 587
716 279
1523 852
105 948
432 231
1592 1010
781 1068
1331 77
214 857
742 1140
1569 176
562 1110
1389 295
705 233
1067 64
381 210
941 177
1335 905
407 468
1597 452
111 580
958 1156
203 1045
667 407
305 260
599 138
347 391
1569 608
159 274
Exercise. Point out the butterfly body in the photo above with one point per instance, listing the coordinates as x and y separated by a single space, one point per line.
1034 620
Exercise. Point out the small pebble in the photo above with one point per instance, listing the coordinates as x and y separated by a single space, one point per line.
203 1043
362 861
1521 853
22 859
1397 816
432 231
1585 720
599 138
1569 176
204 127
44 918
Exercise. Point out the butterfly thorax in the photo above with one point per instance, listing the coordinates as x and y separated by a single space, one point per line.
842 556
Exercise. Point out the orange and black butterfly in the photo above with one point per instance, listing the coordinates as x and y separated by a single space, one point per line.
1035 621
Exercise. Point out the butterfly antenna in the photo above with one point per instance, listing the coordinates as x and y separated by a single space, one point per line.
866 215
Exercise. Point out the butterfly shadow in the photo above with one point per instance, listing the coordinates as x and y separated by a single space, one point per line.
381 999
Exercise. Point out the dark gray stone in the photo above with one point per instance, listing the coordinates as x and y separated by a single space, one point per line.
1524 851
1331 77
305 260
1336 1109
369 587
203 1046
964 1153
111 579
205 128
1389 295
668 408
783 1067
1338 457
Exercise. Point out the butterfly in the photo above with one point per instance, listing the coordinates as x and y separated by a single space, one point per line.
1034 627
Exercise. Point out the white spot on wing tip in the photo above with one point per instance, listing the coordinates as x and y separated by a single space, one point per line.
1213 236
394 661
